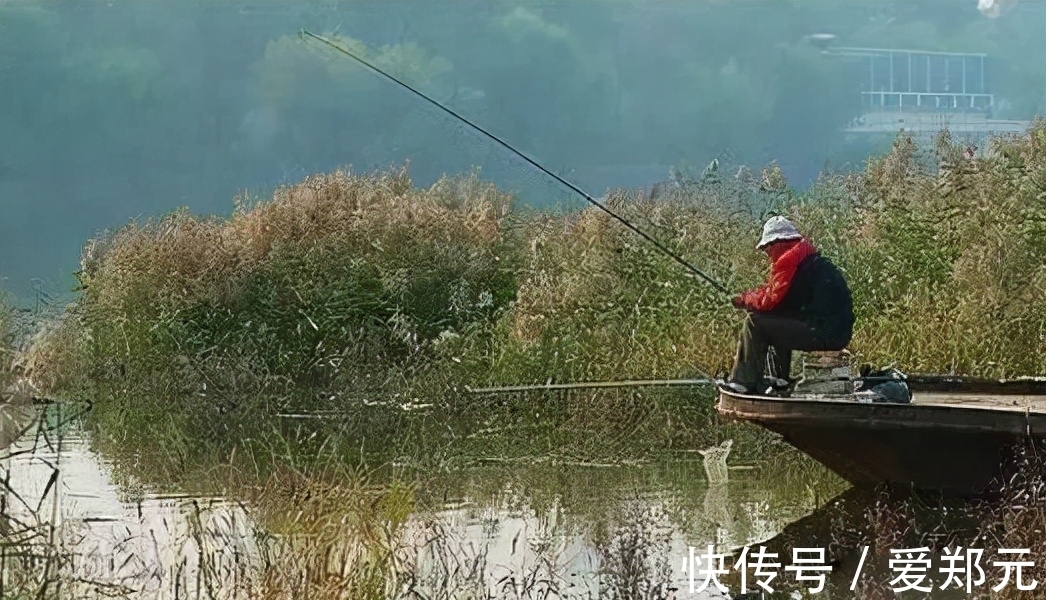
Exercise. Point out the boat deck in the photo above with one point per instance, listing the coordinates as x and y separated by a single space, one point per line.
1026 395
1035 403
958 436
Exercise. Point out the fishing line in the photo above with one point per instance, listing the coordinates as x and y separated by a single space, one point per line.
507 146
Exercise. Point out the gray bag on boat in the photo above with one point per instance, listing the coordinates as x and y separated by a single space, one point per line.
892 391
887 385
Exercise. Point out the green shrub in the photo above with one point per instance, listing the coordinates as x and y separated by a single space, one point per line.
336 275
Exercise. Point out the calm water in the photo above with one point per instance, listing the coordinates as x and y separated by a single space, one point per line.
528 529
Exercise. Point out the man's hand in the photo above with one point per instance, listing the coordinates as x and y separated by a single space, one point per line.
738 302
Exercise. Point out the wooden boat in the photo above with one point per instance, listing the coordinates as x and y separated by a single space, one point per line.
956 435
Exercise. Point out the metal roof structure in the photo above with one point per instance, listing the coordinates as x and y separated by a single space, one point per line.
923 91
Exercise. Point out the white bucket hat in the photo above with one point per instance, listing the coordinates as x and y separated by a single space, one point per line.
777 229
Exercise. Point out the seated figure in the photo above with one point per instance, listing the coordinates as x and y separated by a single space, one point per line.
804 305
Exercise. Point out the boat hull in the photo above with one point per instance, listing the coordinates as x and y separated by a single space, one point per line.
955 449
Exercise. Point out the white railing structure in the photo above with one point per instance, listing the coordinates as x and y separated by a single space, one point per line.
922 92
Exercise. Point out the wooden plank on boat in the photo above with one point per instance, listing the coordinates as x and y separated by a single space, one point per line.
1016 402
969 385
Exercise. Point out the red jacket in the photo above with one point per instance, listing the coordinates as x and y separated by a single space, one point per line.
785 257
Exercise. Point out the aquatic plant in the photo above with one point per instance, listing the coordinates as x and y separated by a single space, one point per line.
209 345
947 258
1016 519
332 532
7 344
364 298
353 282
634 557
944 255
596 301
332 277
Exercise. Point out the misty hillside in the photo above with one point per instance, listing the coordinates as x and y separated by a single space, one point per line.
120 110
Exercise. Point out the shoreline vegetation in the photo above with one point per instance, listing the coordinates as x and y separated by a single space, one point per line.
197 340
355 282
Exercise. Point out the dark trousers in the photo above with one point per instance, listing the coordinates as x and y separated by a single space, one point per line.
763 331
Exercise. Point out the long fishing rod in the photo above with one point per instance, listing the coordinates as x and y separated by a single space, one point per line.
584 385
507 146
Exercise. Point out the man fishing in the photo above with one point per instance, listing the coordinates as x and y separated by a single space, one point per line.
804 305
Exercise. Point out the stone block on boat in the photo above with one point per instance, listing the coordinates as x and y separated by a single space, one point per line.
825 372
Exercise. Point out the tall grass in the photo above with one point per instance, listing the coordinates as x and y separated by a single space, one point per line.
944 256
947 261
370 302
7 345
329 279
357 281
596 301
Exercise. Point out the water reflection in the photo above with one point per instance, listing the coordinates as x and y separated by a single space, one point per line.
16 418
606 530
519 531
78 535
891 543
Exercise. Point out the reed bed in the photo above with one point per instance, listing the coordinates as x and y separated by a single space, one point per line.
363 282
327 282
944 255
8 345
293 534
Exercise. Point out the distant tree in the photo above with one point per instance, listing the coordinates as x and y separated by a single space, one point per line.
814 97
326 104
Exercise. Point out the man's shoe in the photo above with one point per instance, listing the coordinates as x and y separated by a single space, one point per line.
733 386
779 392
